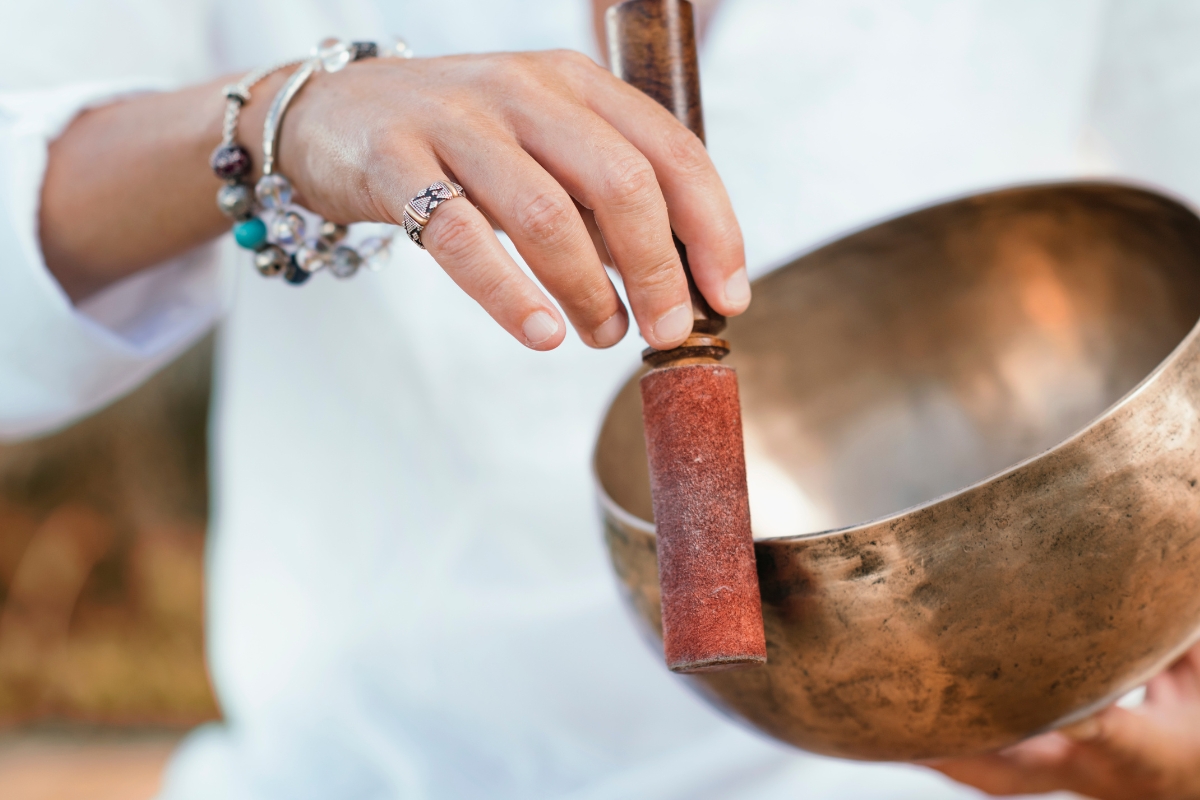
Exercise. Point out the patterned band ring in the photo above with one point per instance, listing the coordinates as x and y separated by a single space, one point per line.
419 209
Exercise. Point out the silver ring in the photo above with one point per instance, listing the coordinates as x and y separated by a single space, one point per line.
419 209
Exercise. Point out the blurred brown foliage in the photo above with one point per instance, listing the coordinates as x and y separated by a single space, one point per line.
101 552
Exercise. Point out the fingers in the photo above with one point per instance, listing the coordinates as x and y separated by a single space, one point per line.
589 219
1112 755
463 243
700 210
1180 683
1121 734
617 183
1119 746
995 775
546 228
572 190
640 172
1033 766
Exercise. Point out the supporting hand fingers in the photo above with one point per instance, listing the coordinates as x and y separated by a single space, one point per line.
997 776
1117 754
1030 767
1126 753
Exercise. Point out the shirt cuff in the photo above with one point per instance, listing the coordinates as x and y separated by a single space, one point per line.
59 361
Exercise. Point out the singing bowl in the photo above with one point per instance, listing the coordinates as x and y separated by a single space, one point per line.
972 440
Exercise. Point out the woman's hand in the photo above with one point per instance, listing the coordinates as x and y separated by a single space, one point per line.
578 168
1148 753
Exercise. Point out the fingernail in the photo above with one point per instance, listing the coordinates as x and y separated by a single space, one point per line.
611 330
539 326
674 325
1082 731
737 289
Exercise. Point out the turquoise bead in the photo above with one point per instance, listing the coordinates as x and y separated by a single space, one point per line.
251 234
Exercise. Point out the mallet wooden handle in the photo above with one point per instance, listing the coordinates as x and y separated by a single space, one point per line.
652 45
711 609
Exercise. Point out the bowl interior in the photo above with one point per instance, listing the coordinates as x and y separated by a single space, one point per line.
919 356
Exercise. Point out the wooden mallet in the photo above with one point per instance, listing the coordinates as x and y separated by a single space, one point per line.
711 610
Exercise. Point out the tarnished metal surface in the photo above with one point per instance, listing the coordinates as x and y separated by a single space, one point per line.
973 441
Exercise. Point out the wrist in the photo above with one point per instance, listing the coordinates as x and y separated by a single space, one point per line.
269 215
253 116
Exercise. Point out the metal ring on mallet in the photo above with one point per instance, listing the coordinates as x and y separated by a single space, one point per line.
711 608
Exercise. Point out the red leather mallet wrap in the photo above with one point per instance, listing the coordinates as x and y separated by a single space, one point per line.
711 610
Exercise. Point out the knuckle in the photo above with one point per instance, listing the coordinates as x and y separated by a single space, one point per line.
661 277
459 110
524 78
572 58
572 62
451 232
493 290
728 239
458 115
522 68
593 301
628 180
506 70
687 152
577 71
545 217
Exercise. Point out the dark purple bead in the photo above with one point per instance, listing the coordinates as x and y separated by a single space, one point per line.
230 162
294 274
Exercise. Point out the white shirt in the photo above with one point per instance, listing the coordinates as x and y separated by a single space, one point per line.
407 592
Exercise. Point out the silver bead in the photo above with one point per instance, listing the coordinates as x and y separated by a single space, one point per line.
235 200
274 192
270 261
288 229
345 262
334 54
331 233
310 259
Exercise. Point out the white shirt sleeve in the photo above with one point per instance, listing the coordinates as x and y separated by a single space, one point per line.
59 361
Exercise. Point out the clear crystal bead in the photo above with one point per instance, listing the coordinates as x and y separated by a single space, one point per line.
334 54
274 192
288 229
345 262
310 259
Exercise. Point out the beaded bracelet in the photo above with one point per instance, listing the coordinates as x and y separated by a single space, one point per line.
230 161
279 241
